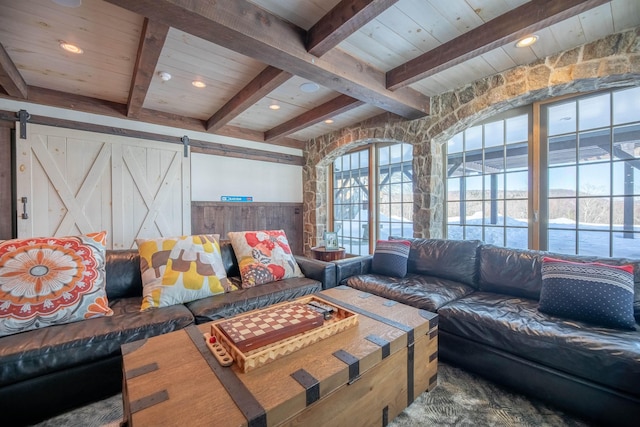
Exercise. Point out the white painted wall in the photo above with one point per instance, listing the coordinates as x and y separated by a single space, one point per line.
211 176
216 176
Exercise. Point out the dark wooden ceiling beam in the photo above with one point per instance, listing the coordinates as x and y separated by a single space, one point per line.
245 28
506 28
329 109
264 83
10 78
344 19
152 40
8 119
53 98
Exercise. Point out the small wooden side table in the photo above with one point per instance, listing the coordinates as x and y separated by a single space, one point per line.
324 254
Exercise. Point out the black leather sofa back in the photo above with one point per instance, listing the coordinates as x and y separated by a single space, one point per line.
123 274
518 272
229 259
450 259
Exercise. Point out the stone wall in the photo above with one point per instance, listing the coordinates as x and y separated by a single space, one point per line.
613 61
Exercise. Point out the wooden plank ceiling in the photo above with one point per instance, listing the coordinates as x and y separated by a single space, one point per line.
366 57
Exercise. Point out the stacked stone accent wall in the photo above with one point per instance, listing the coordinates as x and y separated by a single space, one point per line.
613 61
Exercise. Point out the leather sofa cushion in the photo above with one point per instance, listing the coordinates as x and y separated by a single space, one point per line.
417 290
236 302
606 356
33 353
450 259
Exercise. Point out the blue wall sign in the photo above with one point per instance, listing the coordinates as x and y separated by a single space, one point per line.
236 198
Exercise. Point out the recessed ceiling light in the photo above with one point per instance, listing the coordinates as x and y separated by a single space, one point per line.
68 3
527 41
199 84
328 121
69 47
309 87
274 106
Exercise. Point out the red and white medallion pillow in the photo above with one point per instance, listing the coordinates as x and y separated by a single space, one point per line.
51 280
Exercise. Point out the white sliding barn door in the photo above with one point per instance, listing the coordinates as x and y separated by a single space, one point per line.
81 182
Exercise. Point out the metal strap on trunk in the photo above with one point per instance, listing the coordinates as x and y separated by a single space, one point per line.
241 395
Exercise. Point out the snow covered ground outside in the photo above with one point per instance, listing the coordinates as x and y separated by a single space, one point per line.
593 239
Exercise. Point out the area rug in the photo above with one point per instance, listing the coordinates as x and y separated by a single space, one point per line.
460 399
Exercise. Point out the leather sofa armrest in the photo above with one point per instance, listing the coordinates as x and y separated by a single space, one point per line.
353 266
324 272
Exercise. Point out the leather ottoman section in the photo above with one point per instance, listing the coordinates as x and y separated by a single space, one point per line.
605 356
417 290
37 352
236 302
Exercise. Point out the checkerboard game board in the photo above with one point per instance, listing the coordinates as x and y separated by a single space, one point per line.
263 327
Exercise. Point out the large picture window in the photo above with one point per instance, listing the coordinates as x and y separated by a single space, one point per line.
575 187
592 188
487 182
372 186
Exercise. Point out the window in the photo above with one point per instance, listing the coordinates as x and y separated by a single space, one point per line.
592 190
387 203
487 182
582 173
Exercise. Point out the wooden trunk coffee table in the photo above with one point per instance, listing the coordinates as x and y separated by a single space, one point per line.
364 375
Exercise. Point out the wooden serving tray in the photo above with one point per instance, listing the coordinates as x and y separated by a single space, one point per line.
260 356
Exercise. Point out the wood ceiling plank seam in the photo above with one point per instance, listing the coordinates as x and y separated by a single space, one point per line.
152 40
502 30
343 20
64 24
407 28
598 23
459 14
101 12
431 20
10 78
487 10
241 26
184 54
390 47
52 54
547 44
625 14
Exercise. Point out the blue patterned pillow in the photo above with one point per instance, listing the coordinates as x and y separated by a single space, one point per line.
590 292
390 258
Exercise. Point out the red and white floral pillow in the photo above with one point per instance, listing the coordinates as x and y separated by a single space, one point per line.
263 256
51 280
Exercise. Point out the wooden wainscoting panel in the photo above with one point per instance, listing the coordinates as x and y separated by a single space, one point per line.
222 217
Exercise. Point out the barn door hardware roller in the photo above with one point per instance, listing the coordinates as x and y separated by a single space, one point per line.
185 142
23 116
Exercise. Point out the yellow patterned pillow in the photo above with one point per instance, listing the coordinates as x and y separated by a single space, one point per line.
176 270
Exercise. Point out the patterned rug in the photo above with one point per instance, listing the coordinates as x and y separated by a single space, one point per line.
460 399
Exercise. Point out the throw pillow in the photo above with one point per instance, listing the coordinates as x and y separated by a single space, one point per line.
263 256
51 280
390 258
180 269
590 292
